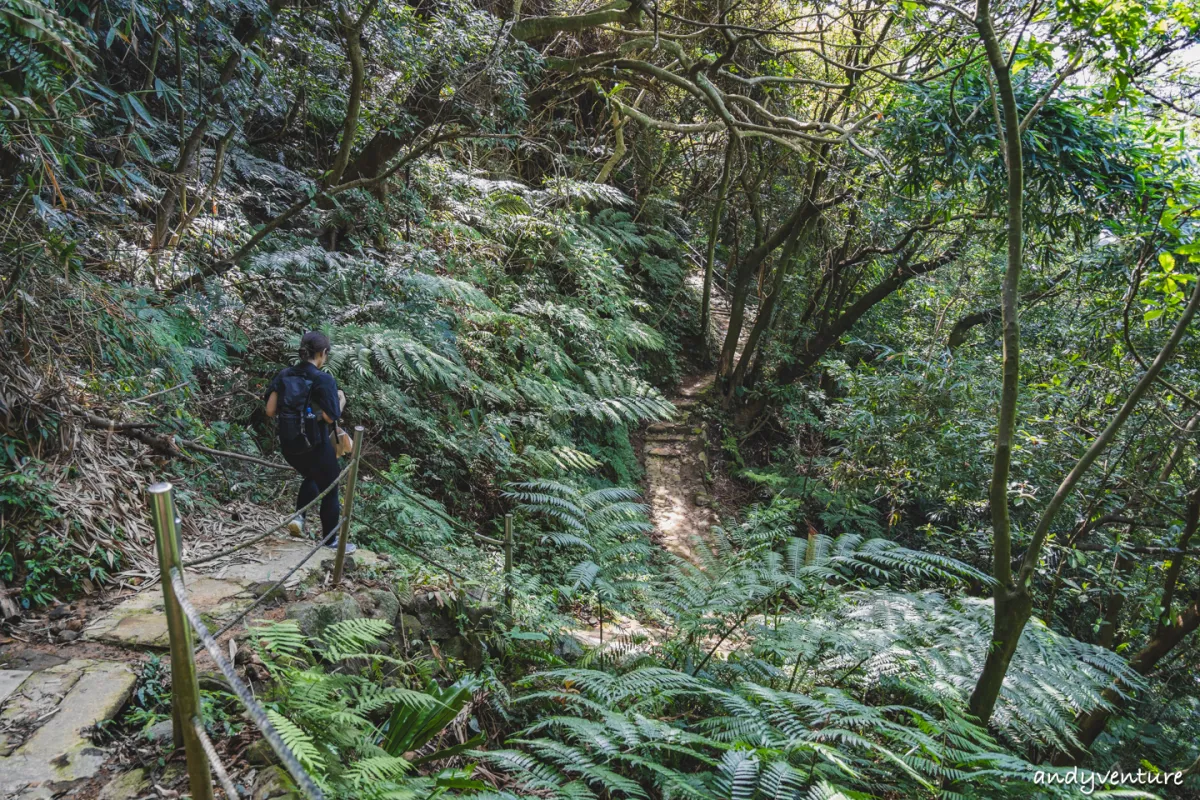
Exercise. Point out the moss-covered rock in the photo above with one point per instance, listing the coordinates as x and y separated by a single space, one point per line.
314 616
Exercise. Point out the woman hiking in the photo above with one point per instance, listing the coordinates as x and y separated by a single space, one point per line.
307 402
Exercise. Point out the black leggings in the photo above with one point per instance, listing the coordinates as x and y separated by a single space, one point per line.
319 468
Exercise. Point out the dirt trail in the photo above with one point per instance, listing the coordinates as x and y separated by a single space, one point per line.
676 452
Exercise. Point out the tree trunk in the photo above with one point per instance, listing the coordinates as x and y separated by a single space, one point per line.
714 226
536 28
1092 724
1012 603
246 32
1012 610
352 33
766 309
817 345
800 216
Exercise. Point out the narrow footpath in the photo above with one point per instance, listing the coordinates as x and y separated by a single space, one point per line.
53 697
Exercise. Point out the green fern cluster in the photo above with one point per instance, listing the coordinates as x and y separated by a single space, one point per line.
351 729
655 732
608 525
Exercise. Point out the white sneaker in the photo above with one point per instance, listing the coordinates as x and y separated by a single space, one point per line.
296 526
350 546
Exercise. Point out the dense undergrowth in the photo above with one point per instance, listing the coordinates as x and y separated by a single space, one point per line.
495 220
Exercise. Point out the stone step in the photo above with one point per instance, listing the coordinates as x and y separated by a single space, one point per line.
53 708
682 436
140 621
664 452
667 427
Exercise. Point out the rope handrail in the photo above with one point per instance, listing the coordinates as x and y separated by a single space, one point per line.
214 760
262 598
256 712
195 562
183 618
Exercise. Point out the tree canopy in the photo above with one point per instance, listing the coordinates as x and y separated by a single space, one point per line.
937 259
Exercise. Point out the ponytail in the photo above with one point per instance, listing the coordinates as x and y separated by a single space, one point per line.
313 344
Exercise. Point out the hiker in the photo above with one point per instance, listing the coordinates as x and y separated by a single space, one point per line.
307 402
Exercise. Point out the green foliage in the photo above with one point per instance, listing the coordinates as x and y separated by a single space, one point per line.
601 733
503 324
331 718
607 524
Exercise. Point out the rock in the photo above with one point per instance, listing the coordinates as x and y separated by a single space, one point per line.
410 627
379 604
60 612
161 733
482 617
127 786
212 681
703 500
260 754
323 610
271 784
10 679
68 636
439 619
260 588
568 648
141 620
349 565
467 649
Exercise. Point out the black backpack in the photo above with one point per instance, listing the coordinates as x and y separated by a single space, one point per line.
297 422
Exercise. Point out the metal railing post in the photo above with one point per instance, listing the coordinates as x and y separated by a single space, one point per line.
508 563
347 507
185 688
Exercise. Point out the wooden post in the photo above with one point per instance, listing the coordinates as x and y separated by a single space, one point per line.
508 564
185 689
348 506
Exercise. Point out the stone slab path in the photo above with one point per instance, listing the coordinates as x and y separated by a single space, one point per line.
676 453
47 709
44 747
219 593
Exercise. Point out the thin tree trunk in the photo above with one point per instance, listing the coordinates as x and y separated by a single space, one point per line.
352 33
619 149
714 226
987 690
817 345
766 310
1092 724
1012 604
191 145
799 217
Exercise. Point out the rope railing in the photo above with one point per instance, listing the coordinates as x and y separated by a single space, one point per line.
419 500
184 621
256 712
505 543
214 760
266 595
